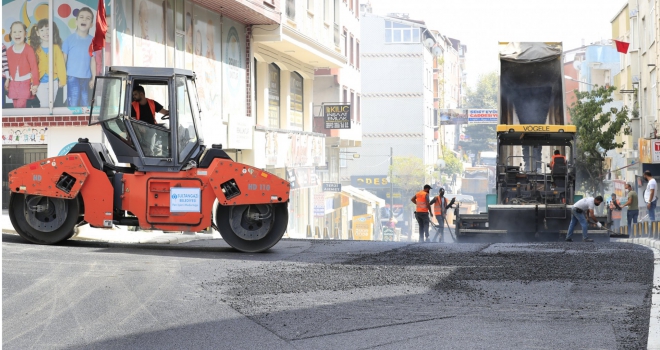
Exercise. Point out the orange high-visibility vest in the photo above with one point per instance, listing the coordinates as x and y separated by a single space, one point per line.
152 107
555 156
437 208
422 206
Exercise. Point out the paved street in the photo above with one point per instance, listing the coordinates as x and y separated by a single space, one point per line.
325 295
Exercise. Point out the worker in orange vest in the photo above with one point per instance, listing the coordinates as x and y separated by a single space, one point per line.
615 210
422 211
555 156
144 108
440 206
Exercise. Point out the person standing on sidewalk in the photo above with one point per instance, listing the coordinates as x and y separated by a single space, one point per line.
651 194
615 210
583 210
633 207
422 211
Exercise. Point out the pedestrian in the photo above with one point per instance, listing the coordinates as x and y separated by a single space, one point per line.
615 210
633 207
453 179
440 207
651 195
582 211
422 211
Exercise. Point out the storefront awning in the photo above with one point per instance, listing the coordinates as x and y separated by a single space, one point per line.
362 196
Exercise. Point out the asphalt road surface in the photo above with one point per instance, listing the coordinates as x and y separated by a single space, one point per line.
326 295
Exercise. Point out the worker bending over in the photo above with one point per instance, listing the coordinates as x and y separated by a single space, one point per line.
582 211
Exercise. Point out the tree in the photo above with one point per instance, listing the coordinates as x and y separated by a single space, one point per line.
453 165
481 136
408 173
596 132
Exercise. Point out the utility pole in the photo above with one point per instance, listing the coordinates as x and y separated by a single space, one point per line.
391 183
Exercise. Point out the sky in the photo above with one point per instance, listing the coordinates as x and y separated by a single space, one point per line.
481 24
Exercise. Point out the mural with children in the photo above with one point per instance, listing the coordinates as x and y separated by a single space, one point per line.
26 27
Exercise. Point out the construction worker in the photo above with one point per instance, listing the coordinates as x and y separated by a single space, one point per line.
615 212
555 156
582 211
422 211
145 109
633 207
440 206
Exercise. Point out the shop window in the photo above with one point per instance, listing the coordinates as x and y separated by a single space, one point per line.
296 91
273 96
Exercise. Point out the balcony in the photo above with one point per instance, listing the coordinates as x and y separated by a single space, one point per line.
251 11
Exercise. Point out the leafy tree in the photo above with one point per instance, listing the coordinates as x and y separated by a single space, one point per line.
453 165
481 136
408 173
596 132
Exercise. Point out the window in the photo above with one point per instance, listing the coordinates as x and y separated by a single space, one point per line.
654 93
400 33
342 157
651 30
296 109
358 108
350 5
310 5
357 54
273 96
345 99
351 59
345 43
353 105
357 8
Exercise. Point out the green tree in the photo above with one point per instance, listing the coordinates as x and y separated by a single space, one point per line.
408 173
481 136
453 165
596 132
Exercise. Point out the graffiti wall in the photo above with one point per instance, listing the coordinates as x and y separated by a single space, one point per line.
24 136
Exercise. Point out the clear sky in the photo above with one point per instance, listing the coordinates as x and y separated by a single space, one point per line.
481 24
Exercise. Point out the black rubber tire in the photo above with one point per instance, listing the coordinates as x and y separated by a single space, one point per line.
23 228
280 222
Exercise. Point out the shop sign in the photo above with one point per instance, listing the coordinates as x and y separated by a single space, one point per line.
240 132
319 205
331 187
656 151
185 200
645 151
337 116
24 136
363 227
452 116
369 181
482 116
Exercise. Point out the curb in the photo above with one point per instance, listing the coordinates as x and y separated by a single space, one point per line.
653 342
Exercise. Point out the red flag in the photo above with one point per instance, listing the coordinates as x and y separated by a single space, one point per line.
98 43
621 46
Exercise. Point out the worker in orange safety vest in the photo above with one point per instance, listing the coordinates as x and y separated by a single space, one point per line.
555 156
422 211
440 206
144 108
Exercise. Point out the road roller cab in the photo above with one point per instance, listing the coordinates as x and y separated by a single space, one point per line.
165 177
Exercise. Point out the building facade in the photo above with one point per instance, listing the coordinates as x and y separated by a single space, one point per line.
211 39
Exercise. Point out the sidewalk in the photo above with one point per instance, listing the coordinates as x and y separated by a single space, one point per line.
121 234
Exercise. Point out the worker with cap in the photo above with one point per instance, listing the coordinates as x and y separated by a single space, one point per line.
440 206
422 211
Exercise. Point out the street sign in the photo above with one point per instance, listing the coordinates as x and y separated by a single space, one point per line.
331 187
482 116
337 116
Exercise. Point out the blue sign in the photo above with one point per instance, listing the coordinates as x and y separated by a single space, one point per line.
185 200
65 150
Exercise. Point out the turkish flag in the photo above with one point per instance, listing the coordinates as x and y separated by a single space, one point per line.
98 43
621 46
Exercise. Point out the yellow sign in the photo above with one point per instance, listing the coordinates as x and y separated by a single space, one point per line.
363 227
536 128
645 151
369 181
